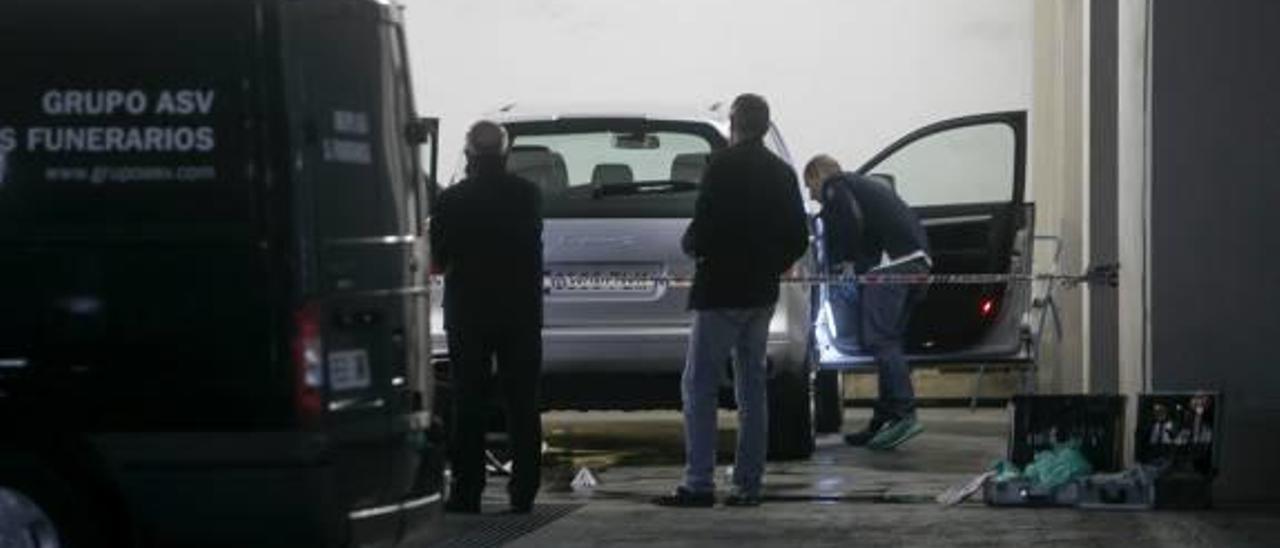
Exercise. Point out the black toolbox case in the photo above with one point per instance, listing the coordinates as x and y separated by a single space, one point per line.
1041 422
1097 421
1178 434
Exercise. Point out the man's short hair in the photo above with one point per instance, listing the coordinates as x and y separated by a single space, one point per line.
821 167
487 138
750 115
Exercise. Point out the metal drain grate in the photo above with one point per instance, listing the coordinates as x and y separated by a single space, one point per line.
497 530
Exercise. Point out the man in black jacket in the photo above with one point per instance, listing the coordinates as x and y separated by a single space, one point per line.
868 228
748 228
486 236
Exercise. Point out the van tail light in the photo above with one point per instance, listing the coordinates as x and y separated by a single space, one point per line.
988 307
308 364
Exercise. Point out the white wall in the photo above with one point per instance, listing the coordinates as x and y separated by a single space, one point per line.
844 76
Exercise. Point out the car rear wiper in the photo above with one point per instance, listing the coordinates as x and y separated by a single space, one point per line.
599 190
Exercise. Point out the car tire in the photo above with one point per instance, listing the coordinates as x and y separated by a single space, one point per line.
791 435
828 402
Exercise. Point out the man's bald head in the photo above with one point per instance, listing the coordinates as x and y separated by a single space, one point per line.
486 138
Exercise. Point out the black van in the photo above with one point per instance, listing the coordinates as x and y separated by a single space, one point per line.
213 319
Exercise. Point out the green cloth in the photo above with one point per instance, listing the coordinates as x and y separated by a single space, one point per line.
1050 469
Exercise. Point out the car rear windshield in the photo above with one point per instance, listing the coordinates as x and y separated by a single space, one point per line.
614 168
145 137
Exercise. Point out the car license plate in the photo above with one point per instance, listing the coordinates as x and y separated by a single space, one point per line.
601 281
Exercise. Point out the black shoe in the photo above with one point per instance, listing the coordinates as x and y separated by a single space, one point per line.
862 438
684 498
462 506
521 499
741 500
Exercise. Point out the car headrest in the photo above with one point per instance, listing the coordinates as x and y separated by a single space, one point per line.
689 167
610 174
540 165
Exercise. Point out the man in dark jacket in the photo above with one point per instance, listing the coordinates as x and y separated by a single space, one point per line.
748 228
486 236
868 228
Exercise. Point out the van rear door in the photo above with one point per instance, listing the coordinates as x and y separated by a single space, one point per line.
354 174
133 273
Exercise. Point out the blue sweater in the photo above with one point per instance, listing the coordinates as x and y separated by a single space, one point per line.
885 225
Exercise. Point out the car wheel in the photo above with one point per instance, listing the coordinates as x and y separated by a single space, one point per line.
791 435
828 404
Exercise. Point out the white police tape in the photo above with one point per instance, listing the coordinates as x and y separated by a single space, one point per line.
637 281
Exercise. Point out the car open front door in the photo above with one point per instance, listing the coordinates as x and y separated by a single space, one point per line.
965 178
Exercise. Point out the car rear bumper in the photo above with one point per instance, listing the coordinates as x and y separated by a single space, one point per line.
632 350
629 368
614 350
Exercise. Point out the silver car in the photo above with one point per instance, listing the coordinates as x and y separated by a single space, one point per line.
618 190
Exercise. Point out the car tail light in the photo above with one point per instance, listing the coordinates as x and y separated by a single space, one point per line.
987 307
308 363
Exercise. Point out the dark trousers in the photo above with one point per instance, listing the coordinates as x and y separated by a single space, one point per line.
886 310
517 353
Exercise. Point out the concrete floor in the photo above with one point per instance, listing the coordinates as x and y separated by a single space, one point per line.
841 497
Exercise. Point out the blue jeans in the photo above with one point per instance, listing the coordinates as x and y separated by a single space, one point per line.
885 310
719 334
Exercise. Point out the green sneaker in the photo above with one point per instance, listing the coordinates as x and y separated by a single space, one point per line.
895 433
